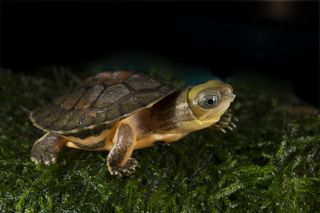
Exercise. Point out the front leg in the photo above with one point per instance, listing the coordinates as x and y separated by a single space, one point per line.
227 121
119 159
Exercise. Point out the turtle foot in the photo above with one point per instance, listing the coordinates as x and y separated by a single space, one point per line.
126 170
46 150
227 121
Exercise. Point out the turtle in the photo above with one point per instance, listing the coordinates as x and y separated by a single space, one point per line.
121 111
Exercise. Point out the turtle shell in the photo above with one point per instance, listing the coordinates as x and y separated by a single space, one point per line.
100 101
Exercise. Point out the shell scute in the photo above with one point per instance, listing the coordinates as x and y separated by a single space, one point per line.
89 97
140 82
111 95
129 105
72 99
74 121
87 119
63 120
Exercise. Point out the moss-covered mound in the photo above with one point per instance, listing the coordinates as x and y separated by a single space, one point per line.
271 163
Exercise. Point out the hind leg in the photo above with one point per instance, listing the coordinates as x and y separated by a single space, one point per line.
119 159
46 149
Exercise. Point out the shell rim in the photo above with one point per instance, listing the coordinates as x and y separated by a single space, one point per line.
91 127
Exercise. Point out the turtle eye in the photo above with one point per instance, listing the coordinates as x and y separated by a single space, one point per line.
209 99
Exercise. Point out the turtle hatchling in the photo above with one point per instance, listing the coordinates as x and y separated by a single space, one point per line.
122 111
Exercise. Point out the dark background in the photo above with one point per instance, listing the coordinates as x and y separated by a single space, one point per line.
277 39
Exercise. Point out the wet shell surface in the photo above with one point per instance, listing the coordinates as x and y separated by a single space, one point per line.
100 101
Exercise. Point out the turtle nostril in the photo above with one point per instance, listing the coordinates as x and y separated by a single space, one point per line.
228 90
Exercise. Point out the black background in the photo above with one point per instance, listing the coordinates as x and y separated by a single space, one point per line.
278 39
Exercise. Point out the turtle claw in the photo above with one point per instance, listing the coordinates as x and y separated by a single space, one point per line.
230 128
235 119
126 170
35 160
222 130
43 159
233 125
115 173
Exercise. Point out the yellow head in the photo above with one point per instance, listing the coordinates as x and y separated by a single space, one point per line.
209 101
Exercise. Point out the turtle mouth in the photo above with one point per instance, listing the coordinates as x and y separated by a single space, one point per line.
229 97
232 97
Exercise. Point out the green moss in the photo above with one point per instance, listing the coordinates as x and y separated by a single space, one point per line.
270 163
